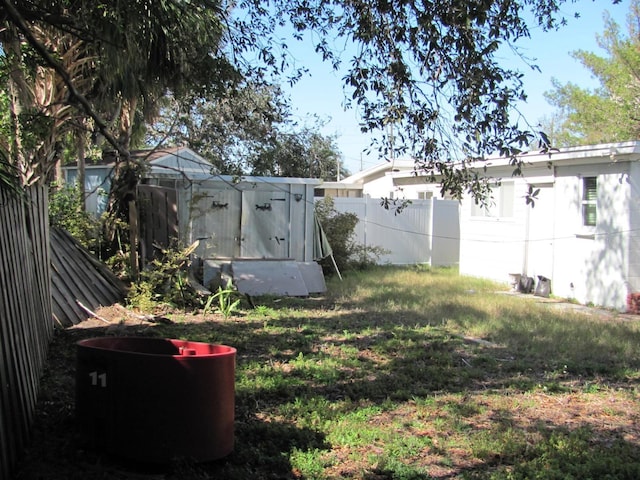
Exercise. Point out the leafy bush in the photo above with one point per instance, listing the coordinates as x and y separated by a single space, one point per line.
340 230
165 281
65 211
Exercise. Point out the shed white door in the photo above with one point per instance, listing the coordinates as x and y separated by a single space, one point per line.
216 222
265 224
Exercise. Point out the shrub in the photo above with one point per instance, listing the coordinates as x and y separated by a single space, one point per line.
165 281
633 303
66 212
340 230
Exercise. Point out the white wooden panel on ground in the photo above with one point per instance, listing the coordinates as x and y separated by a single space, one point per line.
313 277
262 277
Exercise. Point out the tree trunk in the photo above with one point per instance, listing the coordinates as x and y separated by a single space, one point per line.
81 143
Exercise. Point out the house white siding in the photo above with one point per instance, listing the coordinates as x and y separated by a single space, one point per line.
492 246
380 188
583 233
588 264
634 227
591 263
509 237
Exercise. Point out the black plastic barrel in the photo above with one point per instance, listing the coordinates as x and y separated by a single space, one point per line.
155 400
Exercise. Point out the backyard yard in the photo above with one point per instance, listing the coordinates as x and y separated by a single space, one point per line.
408 374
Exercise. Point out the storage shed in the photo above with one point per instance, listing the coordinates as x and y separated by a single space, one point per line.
234 219
246 217
241 219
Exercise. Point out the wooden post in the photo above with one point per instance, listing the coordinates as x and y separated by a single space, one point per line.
133 239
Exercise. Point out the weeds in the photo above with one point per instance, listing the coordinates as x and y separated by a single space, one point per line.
405 374
165 281
227 300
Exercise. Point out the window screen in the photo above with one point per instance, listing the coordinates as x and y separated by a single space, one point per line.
589 201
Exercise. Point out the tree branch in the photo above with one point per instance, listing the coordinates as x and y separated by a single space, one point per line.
21 24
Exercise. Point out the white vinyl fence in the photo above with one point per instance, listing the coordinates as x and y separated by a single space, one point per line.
426 231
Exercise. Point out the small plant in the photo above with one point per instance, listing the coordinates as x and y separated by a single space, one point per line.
227 300
165 281
264 311
141 296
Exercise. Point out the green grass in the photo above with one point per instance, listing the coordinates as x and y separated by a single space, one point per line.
420 373
403 372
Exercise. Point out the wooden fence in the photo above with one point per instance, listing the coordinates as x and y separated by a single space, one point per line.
25 316
158 218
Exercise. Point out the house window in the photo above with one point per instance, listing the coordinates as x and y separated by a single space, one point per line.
425 195
501 205
589 201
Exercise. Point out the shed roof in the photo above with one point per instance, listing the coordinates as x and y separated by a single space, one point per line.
183 163
179 161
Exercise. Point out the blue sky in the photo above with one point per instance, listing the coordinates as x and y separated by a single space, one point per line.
321 93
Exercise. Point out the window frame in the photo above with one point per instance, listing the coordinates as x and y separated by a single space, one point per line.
501 205
589 202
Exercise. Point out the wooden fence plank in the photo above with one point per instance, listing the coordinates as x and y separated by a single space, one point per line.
25 316
13 412
107 278
75 275
78 277
158 217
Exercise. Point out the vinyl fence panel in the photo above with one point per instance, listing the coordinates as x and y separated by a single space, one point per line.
425 231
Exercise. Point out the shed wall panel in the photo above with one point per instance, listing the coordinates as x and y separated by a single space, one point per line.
249 219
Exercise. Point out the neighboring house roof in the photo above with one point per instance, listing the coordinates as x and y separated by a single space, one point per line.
534 162
358 180
179 160
184 163
169 160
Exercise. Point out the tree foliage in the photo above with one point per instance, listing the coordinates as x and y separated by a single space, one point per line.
610 112
300 153
429 71
229 130
247 131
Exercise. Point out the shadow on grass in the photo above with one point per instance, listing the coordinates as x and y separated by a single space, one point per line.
362 357
57 451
